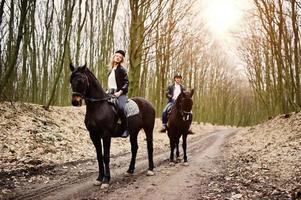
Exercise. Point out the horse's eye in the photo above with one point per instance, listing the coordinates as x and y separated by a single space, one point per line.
81 81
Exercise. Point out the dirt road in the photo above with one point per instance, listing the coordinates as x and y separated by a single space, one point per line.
170 182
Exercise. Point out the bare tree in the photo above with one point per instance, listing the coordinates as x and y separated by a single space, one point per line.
13 50
69 7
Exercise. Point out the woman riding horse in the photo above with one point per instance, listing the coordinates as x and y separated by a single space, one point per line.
101 121
118 84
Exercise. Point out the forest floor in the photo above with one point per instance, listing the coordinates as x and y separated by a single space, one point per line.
49 155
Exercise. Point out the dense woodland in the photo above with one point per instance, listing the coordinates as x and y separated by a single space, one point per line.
40 38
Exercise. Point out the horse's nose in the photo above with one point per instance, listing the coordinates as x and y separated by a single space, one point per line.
76 101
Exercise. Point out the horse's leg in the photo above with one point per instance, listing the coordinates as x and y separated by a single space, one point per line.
134 149
177 151
178 159
172 148
106 147
97 143
149 140
184 146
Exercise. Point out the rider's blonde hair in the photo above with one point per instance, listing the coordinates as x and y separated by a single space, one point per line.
111 64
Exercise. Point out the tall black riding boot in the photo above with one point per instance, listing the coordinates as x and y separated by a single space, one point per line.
124 123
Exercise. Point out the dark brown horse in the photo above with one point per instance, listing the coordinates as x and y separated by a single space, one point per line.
179 123
101 120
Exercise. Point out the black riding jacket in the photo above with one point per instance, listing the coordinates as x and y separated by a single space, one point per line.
170 91
122 80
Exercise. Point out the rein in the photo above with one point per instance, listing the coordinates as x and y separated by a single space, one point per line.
97 100
92 99
186 115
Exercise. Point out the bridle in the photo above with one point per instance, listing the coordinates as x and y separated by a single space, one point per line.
83 96
186 115
91 99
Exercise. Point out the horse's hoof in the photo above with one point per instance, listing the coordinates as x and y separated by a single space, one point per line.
172 164
104 186
128 174
150 173
185 164
97 183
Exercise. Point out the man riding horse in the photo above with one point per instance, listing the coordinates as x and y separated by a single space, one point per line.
172 94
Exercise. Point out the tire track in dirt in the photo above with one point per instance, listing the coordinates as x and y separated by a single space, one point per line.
174 182
82 187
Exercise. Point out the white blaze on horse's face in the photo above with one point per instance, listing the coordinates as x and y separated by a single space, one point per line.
187 118
186 106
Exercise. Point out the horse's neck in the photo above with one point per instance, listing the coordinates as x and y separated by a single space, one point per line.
178 109
95 90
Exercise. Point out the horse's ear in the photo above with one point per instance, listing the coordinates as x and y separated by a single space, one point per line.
83 68
181 95
192 92
72 67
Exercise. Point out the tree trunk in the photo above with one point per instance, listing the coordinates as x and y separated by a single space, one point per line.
33 55
68 21
11 64
46 51
1 17
297 51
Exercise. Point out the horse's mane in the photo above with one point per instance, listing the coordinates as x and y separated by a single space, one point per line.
92 77
178 100
183 95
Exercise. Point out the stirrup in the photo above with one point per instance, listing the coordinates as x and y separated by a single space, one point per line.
190 132
125 134
163 130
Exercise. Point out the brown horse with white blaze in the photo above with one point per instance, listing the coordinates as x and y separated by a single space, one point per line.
179 123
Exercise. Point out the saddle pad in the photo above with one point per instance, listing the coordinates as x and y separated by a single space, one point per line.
131 108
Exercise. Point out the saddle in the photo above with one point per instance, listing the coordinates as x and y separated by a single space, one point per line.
131 107
168 110
113 102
